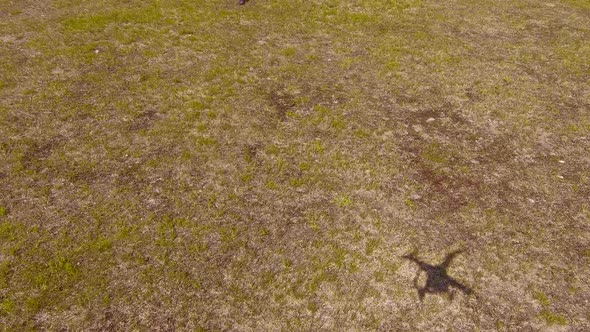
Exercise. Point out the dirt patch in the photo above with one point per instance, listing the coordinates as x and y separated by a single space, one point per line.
144 120
36 152
304 97
282 102
497 151
443 191
250 152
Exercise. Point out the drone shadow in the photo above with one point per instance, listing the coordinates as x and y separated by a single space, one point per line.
437 279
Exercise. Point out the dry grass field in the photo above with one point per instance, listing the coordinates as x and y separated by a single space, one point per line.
196 165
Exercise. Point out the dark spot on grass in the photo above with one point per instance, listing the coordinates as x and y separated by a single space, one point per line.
282 102
473 94
144 120
497 151
36 152
250 152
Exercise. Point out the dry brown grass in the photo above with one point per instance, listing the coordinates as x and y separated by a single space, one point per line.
198 165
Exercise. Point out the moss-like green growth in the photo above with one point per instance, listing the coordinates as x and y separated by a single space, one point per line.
342 201
552 318
98 22
542 298
585 4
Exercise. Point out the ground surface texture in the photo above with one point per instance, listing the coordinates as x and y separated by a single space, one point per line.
199 165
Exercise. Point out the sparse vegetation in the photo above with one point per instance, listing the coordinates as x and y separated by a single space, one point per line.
199 165
553 319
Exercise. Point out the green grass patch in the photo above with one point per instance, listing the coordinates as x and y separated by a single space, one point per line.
150 14
552 318
585 4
